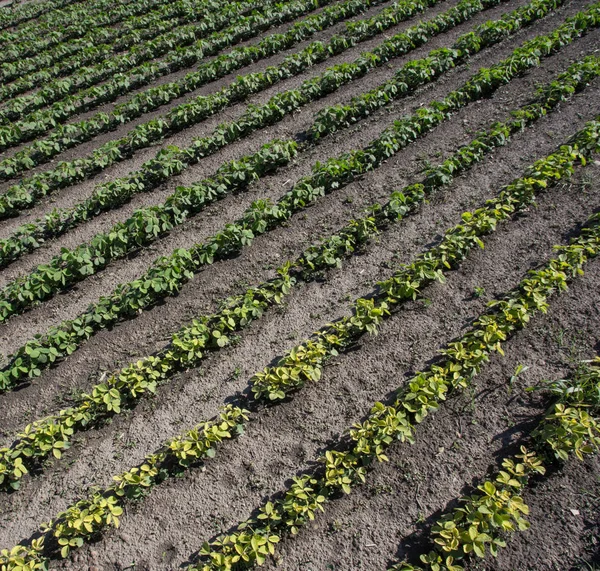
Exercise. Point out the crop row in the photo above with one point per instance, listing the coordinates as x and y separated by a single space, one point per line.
209 17
26 42
208 333
174 160
66 136
341 116
571 426
168 275
62 12
39 122
17 14
95 46
343 470
185 115
154 98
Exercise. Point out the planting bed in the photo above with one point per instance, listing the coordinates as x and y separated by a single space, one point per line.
300 285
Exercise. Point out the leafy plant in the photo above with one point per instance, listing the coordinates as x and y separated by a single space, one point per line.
258 537
167 22
496 508
520 368
30 359
479 291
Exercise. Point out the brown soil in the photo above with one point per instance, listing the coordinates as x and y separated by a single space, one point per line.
389 517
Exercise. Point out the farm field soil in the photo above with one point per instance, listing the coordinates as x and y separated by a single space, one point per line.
388 518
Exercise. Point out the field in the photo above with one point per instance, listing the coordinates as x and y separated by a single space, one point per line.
309 285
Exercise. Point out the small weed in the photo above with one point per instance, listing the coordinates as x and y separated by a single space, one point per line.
518 371
479 292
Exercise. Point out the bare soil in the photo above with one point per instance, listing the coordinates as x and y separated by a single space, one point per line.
387 519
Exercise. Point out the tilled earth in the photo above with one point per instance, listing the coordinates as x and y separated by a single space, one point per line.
389 517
